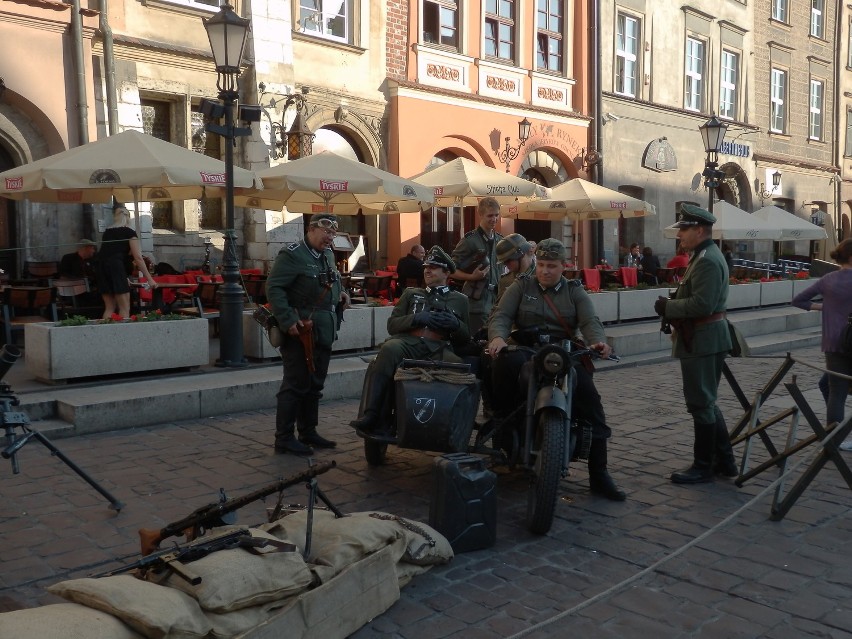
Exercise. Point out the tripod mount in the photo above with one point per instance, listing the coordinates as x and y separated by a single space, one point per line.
18 432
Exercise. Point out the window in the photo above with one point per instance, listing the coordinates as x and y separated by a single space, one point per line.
327 18
157 122
210 214
815 119
441 22
549 35
694 84
847 152
817 7
779 10
728 85
500 29
849 45
626 52
778 98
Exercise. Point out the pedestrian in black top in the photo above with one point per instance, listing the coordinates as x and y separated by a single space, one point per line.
119 253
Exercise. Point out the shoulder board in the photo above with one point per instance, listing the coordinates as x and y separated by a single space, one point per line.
523 276
470 233
293 246
575 283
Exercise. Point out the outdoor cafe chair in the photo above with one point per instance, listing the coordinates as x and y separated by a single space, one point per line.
27 305
205 303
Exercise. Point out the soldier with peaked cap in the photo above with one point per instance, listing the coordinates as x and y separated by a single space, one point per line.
304 284
523 306
476 260
701 340
426 323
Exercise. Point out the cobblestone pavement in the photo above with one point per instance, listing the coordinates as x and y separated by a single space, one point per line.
672 561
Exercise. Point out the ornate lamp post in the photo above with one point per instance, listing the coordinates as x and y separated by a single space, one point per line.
713 134
227 33
765 193
510 152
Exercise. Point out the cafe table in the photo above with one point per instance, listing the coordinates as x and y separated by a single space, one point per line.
157 293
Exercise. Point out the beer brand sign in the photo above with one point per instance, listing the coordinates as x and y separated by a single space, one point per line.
336 186
212 178
14 183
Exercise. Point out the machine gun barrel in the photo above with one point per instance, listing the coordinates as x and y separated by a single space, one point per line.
211 514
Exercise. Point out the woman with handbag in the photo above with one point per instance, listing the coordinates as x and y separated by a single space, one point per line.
836 307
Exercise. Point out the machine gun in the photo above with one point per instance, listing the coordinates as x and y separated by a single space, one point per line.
195 524
474 288
177 558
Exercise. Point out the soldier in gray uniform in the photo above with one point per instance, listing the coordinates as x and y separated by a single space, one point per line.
517 255
523 307
475 257
701 342
305 285
425 324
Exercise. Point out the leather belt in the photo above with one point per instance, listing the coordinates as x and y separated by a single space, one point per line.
715 317
428 333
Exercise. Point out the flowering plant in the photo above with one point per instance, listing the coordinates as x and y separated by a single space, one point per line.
802 275
115 318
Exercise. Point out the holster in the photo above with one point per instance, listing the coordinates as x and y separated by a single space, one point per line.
686 329
306 336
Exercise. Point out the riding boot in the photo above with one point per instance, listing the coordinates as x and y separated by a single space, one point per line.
703 448
285 426
725 463
600 481
373 400
307 424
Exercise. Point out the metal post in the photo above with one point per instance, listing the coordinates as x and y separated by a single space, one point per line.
710 166
231 301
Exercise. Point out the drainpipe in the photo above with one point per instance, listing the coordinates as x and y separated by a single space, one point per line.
82 104
597 129
109 68
837 185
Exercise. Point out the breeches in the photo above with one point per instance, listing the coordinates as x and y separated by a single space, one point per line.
701 377
838 388
297 380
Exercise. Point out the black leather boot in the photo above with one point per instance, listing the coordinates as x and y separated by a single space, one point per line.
373 400
701 470
307 424
725 464
285 427
600 481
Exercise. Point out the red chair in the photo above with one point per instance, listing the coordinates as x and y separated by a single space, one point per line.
629 276
591 279
393 287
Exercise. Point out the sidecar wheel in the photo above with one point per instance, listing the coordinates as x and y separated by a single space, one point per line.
375 452
547 471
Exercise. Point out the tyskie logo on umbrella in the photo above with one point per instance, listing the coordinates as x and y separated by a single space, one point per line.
212 178
14 183
439 191
328 185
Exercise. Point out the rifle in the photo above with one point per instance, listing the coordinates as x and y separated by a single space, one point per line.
474 289
211 515
177 558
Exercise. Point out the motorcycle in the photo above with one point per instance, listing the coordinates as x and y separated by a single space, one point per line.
434 417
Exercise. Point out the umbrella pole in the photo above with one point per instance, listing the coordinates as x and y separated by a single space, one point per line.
136 211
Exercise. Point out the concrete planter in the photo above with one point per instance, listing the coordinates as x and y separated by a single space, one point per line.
56 353
606 306
638 304
380 323
743 296
356 330
255 344
776 292
801 285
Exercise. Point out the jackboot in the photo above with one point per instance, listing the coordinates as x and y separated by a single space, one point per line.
725 464
307 424
600 481
703 448
285 426
373 400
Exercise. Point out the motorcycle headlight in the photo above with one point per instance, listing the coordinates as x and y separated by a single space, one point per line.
553 360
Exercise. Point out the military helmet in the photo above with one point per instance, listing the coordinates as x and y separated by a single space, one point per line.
512 247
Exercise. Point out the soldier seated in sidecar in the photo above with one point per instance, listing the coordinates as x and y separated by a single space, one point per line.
426 324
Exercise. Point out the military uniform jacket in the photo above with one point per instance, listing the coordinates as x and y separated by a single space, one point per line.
509 278
523 306
294 291
703 291
437 298
474 242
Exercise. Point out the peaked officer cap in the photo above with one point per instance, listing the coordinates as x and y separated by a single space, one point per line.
439 257
691 215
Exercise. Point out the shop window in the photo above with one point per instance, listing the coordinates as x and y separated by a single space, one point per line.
627 55
500 29
441 23
694 74
549 42
329 19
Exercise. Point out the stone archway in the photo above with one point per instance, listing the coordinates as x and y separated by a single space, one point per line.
543 167
735 188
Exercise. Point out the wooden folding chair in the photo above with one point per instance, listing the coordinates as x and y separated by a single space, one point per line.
27 305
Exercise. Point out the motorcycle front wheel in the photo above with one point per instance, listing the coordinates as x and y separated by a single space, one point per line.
546 471
375 452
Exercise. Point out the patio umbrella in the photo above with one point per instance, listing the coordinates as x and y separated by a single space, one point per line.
327 182
127 166
792 226
578 200
733 223
462 182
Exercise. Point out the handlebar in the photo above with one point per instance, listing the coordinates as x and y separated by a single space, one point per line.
575 350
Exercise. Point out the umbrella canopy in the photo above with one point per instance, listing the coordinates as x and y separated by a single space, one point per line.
733 223
792 226
577 200
128 166
327 182
462 182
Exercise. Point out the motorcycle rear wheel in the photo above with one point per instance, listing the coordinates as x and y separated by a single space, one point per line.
546 471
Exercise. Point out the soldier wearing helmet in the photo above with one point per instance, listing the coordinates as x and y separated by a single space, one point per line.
517 255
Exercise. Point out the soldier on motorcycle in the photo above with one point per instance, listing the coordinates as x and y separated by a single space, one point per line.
562 308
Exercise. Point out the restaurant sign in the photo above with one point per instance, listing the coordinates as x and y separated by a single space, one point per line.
735 149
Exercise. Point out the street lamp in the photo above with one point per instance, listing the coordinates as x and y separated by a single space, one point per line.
765 193
510 152
227 33
713 134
